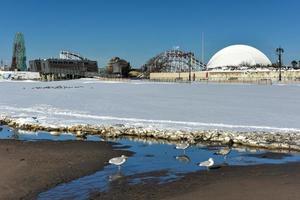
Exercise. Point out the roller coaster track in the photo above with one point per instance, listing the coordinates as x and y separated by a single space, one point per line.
173 61
70 56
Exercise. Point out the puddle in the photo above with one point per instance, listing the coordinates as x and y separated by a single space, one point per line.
149 157
7 133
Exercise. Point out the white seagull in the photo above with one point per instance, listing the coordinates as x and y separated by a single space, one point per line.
182 146
209 163
118 160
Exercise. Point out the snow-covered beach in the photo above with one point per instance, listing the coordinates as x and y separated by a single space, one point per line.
157 105
261 116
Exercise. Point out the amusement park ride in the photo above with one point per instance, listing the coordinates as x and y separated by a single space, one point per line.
67 55
19 53
174 61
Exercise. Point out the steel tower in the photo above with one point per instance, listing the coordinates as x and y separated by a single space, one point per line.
19 53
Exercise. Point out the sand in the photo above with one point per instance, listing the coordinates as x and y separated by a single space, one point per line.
28 168
268 182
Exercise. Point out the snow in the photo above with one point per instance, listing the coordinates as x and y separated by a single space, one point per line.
20 75
154 105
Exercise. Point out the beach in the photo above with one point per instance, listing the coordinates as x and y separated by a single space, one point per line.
268 182
149 100
250 115
118 118
28 168
197 106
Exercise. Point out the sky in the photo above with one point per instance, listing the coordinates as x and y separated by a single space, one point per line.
137 30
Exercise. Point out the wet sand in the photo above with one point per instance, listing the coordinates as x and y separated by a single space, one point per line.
268 182
28 168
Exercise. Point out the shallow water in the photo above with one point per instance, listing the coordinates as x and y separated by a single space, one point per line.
8 133
149 157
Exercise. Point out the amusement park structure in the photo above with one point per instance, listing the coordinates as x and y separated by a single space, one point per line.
173 61
67 55
19 53
68 66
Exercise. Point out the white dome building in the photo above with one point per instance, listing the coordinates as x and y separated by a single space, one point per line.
238 55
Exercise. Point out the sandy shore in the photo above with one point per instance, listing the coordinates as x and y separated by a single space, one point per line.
28 168
268 182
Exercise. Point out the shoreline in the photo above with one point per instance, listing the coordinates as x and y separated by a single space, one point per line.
289 141
29 168
269 182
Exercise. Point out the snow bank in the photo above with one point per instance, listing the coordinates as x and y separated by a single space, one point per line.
11 75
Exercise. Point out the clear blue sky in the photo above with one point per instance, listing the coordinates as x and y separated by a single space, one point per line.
139 29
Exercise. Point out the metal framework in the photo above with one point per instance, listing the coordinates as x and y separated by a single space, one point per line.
67 55
19 53
173 61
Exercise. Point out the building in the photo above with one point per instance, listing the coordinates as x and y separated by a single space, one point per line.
238 56
19 54
118 67
68 66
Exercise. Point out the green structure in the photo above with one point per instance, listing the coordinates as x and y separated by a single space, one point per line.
19 53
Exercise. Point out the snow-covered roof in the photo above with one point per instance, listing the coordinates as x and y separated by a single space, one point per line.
237 55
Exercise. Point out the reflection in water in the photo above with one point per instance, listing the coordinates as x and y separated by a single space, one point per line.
224 164
183 158
223 152
15 134
116 176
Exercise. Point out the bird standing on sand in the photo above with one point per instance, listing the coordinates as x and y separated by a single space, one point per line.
209 163
118 161
224 152
182 146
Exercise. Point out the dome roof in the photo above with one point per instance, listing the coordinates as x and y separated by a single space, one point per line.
237 55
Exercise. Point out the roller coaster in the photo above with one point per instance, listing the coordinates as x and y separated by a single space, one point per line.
173 61
67 55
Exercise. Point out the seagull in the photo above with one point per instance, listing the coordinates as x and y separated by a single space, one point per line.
55 133
182 146
224 152
118 161
209 163
35 119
